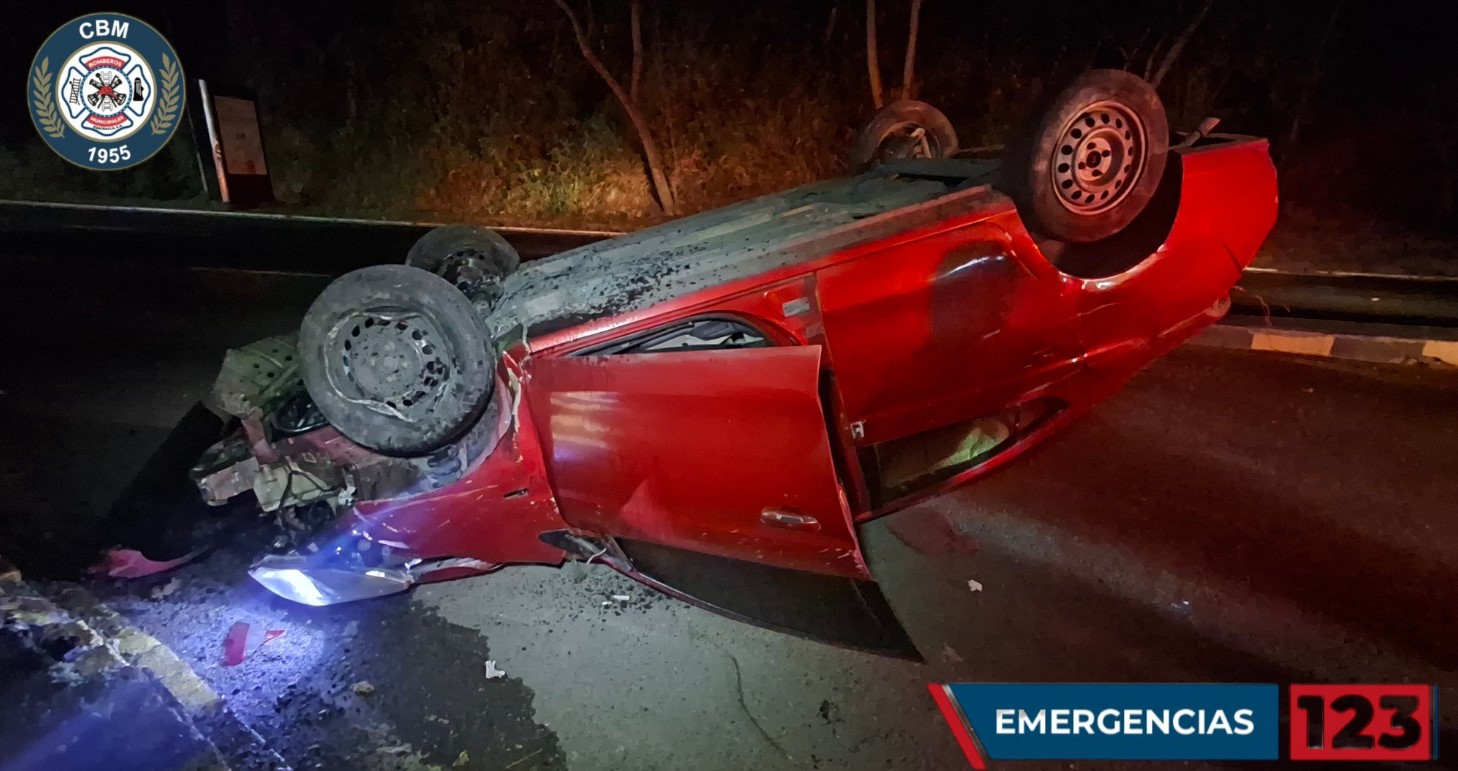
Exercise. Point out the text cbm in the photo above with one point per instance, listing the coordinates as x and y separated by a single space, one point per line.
104 28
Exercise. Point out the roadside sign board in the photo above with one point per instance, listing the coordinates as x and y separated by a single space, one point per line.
236 138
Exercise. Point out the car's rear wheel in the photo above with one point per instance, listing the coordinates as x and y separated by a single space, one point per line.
474 259
1091 159
396 358
903 129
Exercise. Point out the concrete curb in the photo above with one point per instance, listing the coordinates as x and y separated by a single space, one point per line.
244 748
90 662
1334 344
108 646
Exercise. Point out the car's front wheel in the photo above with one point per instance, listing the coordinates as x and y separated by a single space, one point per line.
397 359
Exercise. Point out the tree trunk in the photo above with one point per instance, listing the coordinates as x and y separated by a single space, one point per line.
637 26
1179 45
873 62
1294 135
908 70
661 186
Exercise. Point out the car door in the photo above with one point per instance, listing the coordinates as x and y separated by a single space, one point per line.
943 328
712 471
724 452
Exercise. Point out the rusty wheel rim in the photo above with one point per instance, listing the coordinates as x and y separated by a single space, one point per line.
392 360
1099 157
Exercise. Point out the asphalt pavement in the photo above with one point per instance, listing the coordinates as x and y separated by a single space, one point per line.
1230 516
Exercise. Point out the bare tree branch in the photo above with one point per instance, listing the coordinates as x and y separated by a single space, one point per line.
908 70
634 8
873 62
661 186
1179 45
1154 54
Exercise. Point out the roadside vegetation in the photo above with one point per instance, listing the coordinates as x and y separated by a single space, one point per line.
491 112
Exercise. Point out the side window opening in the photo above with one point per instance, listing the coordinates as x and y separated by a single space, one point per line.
705 334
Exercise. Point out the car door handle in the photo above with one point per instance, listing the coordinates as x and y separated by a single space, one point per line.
788 519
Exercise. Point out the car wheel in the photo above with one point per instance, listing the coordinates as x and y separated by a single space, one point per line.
396 358
1091 158
904 129
474 259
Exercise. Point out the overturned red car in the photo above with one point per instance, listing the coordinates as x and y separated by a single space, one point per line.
713 405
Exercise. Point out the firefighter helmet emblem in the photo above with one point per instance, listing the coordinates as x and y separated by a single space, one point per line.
106 91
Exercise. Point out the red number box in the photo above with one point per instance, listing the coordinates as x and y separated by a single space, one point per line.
1362 722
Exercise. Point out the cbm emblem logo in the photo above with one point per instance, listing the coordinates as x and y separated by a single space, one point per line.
106 91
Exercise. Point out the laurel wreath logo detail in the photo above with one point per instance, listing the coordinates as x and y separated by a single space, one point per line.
45 101
171 99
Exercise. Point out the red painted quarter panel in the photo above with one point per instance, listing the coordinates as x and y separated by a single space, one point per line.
1227 207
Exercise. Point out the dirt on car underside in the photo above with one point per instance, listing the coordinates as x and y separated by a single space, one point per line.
721 246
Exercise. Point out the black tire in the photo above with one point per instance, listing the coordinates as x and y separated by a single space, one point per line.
397 359
475 259
1090 159
890 135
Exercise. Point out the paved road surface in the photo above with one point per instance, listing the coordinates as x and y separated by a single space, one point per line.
1231 516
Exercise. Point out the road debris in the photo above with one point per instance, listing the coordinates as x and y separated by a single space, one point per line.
235 644
269 636
950 655
462 759
363 688
166 589
621 597
974 585
130 563
492 672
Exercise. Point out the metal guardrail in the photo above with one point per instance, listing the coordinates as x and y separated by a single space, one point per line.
187 238
200 238
1359 297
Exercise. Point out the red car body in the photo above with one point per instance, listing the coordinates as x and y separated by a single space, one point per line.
758 454
905 334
